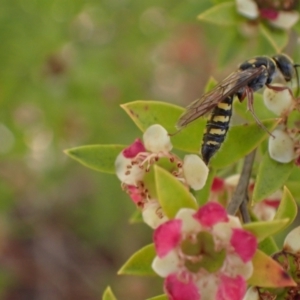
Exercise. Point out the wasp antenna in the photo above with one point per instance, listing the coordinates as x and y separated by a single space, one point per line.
297 76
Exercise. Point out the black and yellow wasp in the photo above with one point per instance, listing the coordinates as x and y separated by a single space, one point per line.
251 76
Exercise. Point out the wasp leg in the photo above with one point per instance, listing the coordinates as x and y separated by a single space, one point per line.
280 88
250 107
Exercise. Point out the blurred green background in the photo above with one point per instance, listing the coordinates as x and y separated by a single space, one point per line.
65 66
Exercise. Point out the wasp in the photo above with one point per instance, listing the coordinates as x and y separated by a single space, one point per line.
250 76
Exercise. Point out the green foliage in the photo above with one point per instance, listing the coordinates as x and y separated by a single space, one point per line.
271 176
172 194
140 262
268 273
108 294
161 297
97 157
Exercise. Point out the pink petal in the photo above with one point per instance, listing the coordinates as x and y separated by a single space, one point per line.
217 185
244 243
179 290
271 202
136 147
134 194
167 236
268 13
210 214
231 288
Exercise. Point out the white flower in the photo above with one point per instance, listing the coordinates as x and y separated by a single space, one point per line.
279 102
281 146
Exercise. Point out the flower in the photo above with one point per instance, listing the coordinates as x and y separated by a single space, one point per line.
277 14
201 256
281 146
134 163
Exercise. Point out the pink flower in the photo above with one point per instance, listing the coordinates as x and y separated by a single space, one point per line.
135 161
204 254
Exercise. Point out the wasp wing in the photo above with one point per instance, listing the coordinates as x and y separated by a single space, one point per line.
227 87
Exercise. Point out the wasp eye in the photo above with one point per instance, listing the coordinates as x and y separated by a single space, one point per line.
285 66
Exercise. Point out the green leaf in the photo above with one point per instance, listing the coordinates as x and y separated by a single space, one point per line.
264 229
160 297
268 273
293 183
108 294
97 157
172 194
277 38
222 14
147 113
288 207
136 217
140 262
240 141
271 176
268 246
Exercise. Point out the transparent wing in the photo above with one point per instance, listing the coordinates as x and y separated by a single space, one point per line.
227 87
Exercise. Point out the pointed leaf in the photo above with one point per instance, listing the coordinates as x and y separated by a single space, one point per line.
222 14
277 38
264 229
172 194
160 297
140 262
136 217
240 141
268 273
288 207
146 113
271 176
97 157
268 246
108 294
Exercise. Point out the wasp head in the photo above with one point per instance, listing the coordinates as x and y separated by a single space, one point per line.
285 66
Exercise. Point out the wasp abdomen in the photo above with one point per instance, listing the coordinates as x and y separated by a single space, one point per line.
216 128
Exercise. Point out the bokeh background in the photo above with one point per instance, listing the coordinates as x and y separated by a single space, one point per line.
65 67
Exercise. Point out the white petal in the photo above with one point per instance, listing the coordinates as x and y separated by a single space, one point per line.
156 139
235 266
286 19
279 102
166 265
195 171
252 294
153 214
281 148
233 180
189 223
136 173
264 212
208 286
292 241
223 231
247 8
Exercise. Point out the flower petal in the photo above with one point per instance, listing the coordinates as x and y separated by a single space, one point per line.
181 290
286 19
235 266
244 243
135 148
231 288
167 236
252 294
217 185
292 241
127 175
167 265
247 8
195 171
223 230
210 214
156 139
281 146
189 224
153 214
